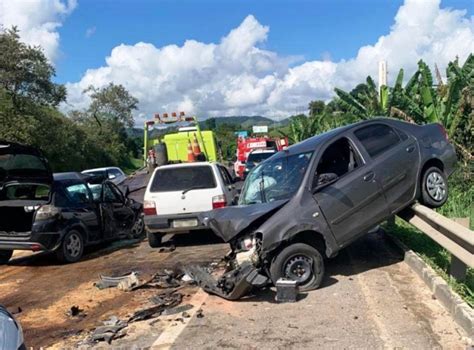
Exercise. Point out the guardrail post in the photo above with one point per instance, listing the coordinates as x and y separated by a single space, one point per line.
458 269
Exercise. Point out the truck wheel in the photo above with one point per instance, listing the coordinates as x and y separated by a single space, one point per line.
154 239
434 188
301 263
71 248
5 256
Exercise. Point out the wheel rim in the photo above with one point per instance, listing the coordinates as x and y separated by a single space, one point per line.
299 268
138 226
73 245
436 186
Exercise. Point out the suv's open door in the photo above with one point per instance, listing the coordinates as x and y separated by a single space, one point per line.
25 174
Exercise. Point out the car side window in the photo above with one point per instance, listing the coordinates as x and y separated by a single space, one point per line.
111 195
114 173
78 193
338 159
224 175
377 138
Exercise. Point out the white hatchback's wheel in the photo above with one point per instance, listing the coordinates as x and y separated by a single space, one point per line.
434 192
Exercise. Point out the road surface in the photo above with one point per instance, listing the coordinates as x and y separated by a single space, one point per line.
369 299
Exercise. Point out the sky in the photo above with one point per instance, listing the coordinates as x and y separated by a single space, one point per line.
237 57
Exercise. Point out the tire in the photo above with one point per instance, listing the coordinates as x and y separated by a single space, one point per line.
302 257
434 188
5 256
138 227
71 248
154 239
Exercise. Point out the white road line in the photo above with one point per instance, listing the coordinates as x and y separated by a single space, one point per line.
171 333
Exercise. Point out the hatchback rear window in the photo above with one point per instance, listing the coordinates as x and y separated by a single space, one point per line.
183 178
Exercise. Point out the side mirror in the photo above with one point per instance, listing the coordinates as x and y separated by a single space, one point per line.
323 180
235 201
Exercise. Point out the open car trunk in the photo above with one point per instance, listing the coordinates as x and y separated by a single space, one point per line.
16 220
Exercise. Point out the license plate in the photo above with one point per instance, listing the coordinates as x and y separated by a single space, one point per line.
184 223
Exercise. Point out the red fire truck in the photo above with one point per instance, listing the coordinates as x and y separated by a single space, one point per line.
245 145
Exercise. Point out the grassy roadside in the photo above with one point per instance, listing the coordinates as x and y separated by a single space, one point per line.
133 165
459 205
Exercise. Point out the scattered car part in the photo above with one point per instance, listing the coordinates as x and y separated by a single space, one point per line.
127 282
168 301
287 291
178 309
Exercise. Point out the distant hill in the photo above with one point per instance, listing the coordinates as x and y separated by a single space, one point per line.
244 122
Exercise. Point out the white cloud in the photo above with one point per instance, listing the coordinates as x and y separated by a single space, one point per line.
90 31
37 20
238 76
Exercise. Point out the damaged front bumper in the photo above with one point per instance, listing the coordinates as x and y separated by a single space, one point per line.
233 284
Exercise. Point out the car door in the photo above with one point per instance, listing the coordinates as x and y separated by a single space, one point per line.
121 214
81 208
353 202
229 187
395 157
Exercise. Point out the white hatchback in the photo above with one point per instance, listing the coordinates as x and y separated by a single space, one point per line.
177 193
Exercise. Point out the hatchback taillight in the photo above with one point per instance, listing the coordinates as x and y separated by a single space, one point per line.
46 212
149 208
218 201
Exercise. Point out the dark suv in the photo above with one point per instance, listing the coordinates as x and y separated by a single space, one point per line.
63 212
313 199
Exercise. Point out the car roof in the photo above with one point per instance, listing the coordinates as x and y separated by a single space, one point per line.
311 143
69 176
263 151
101 169
182 165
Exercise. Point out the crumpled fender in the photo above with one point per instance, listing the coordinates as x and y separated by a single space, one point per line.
229 222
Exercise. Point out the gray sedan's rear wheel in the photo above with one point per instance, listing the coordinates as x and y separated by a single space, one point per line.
5 256
434 191
138 227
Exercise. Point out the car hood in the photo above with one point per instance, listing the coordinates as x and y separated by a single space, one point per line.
229 222
23 164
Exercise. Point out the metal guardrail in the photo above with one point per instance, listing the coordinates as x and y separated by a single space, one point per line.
455 238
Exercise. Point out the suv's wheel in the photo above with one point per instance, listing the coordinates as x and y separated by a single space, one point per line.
154 239
5 256
434 188
71 248
138 227
299 262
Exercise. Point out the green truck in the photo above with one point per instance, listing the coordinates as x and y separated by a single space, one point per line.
173 147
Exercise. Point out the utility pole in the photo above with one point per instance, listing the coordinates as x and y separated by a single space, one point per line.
382 74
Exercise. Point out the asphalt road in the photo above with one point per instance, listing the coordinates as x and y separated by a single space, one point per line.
370 299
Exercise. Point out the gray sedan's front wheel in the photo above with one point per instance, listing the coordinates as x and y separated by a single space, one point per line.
434 191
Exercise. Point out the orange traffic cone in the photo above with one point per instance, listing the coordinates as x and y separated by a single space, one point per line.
191 157
196 148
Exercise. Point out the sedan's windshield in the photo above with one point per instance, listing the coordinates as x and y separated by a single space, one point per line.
275 179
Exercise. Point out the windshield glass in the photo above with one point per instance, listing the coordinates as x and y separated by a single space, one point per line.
275 179
259 157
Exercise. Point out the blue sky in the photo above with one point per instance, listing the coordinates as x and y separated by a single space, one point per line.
313 29
237 57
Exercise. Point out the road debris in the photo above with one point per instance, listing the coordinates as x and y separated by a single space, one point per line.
75 311
287 291
126 282
164 301
167 249
109 331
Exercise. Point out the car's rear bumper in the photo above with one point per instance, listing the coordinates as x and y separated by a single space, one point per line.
36 241
164 223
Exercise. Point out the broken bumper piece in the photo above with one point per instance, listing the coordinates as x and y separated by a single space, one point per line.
232 285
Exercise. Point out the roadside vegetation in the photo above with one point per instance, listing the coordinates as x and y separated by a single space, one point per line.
30 114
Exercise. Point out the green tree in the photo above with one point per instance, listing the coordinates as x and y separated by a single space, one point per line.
316 107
